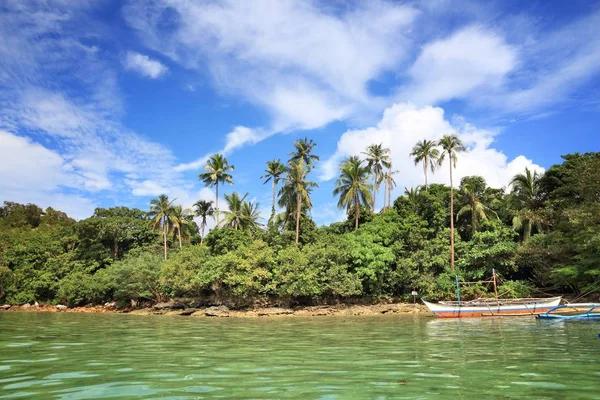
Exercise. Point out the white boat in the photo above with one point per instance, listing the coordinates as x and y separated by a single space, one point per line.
492 307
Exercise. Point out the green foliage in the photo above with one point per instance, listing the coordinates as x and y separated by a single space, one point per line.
136 278
222 241
179 276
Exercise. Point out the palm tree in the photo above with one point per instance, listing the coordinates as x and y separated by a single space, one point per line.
160 212
295 192
303 152
451 145
526 188
471 190
217 171
234 215
427 153
273 173
180 218
412 195
389 185
250 216
352 186
378 157
203 209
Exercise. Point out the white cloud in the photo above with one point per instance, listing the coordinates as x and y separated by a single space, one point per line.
452 67
404 124
144 65
305 64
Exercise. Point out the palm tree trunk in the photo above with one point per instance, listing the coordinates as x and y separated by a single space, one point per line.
179 234
390 192
115 248
451 217
375 191
357 211
298 205
425 172
217 203
165 236
203 224
273 203
526 230
384 195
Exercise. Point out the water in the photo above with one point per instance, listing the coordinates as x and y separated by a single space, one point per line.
84 356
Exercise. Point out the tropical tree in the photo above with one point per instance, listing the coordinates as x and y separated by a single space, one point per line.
389 185
295 192
204 210
160 212
377 158
217 171
304 149
426 152
412 195
352 186
250 216
526 190
273 173
451 145
180 219
233 217
472 189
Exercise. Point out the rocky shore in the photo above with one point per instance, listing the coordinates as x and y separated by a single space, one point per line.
180 309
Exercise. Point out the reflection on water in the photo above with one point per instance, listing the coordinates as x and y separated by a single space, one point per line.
78 356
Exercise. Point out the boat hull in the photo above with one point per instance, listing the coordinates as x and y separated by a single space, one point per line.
467 310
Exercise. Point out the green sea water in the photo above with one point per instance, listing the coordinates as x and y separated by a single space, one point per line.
85 356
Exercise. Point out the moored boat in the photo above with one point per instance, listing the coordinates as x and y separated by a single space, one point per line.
492 307
573 311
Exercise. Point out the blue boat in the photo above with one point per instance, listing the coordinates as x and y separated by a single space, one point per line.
573 311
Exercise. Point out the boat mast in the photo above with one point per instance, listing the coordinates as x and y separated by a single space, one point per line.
495 286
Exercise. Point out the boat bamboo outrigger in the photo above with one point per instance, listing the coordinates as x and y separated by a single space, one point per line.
573 311
491 307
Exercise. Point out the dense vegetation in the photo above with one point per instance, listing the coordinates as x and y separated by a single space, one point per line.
540 234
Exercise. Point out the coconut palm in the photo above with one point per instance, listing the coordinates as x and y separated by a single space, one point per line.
412 195
389 185
204 210
250 216
526 188
180 219
451 145
427 153
233 217
352 186
472 188
217 171
304 149
377 158
295 192
160 212
273 173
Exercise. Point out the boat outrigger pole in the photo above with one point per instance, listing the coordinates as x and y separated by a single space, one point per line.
457 289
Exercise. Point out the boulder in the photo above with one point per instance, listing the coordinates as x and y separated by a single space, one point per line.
61 307
187 311
110 305
5 307
274 311
26 306
220 311
170 305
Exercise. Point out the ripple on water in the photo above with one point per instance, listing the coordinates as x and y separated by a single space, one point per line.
71 375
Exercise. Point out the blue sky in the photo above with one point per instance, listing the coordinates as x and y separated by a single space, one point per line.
107 103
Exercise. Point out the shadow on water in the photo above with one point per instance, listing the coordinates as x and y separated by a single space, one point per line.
79 356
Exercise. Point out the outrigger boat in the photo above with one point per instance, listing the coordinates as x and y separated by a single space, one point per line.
573 311
491 307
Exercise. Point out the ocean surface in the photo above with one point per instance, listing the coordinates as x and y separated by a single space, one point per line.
116 356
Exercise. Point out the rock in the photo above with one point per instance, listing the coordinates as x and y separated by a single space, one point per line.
111 304
5 307
171 305
274 311
187 311
26 306
61 307
36 304
220 311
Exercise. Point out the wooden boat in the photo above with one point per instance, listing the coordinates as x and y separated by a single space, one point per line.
573 311
492 307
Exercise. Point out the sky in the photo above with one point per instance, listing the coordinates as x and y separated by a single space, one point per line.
111 103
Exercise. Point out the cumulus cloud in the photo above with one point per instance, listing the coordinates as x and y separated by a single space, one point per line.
404 124
305 64
144 65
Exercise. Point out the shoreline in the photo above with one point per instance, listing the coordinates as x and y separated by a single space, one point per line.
259 312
